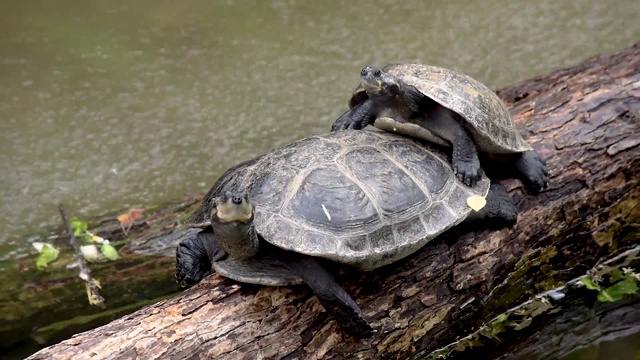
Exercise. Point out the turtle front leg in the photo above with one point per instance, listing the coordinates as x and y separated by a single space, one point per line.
356 118
449 126
194 257
464 158
333 297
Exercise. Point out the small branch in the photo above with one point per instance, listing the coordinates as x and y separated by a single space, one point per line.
85 273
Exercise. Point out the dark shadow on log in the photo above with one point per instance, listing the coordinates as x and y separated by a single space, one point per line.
584 121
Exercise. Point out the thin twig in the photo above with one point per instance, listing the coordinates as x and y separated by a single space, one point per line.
85 273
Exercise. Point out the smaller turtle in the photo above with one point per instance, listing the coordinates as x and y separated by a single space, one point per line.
445 108
364 199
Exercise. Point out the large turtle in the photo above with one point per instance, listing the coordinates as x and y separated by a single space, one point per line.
446 108
361 198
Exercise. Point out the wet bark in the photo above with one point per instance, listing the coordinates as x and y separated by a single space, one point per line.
584 121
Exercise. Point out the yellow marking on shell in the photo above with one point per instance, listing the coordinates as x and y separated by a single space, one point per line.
230 212
476 202
471 91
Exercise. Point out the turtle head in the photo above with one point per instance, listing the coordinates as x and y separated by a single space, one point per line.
388 90
234 207
378 83
232 222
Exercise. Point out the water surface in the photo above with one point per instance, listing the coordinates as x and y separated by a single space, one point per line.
109 104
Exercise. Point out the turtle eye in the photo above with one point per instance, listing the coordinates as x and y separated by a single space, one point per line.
377 73
363 71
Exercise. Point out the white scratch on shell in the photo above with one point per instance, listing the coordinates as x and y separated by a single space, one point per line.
326 212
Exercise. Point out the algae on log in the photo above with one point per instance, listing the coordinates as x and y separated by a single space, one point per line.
585 122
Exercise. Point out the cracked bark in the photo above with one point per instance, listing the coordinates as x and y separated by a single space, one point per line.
585 123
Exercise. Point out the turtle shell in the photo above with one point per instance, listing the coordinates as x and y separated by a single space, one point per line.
364 198
486 114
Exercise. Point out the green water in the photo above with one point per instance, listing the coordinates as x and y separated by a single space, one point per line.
626 348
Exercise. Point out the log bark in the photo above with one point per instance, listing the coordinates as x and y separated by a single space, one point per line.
584 120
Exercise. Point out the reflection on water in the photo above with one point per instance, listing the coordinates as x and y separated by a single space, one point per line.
105 105
625 348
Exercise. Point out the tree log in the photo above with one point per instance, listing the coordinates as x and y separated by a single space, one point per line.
584 121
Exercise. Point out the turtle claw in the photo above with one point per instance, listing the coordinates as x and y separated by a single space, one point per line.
360 331
356 118
469 172
194 257
346 123
337 126
353 322
190 269
533 171
356 125
500 206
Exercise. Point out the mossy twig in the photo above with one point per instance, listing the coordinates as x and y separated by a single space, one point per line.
85 273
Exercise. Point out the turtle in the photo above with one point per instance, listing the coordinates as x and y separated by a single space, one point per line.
357 199
447 108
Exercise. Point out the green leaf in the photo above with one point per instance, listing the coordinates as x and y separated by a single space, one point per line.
79 227
523 324
501 318
497 325
588 283
603 296
109 252
47 255
615 275
618 290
